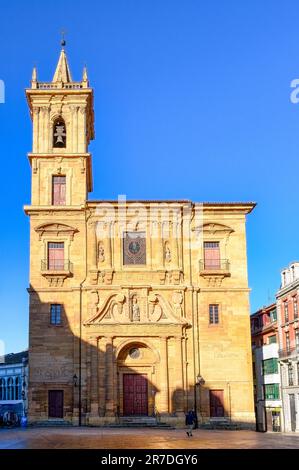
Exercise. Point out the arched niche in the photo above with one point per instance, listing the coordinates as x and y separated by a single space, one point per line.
59 133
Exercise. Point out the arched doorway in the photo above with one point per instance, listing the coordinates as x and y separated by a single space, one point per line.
136 379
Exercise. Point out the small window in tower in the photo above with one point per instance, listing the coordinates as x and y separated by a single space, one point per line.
59 134
58 190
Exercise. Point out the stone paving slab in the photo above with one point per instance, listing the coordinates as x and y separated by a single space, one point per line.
103 438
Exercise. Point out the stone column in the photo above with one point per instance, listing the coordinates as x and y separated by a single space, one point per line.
102 348
46 129
107 245
164 385
174 244
94 399
93 245
179 395
81 130
109 382
160 243
35 129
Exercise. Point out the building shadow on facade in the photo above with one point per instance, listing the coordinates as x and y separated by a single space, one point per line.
83 379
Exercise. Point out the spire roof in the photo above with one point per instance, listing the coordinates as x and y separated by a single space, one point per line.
62 72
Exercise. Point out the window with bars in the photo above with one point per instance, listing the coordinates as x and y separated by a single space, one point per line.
290 375
270 366
271 391
58 190
55 314
211 255
286 311
214 314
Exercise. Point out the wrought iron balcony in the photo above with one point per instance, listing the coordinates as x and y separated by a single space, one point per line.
56 265
214 265
288 352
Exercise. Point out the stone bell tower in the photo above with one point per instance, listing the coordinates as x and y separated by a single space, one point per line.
63 125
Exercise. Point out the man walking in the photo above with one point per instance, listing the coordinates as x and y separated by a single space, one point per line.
190 422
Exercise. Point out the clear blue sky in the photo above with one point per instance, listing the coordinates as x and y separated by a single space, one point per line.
197 90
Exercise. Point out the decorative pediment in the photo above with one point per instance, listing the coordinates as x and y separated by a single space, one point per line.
55 229
133 307
212 228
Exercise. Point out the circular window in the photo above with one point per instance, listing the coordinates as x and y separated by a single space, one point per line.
134 247
134 353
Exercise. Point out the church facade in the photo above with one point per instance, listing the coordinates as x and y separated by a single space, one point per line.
137 308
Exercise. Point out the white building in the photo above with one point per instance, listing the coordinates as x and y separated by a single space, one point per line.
13 384
288 329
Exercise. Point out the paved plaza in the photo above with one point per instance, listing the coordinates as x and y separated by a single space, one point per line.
103 438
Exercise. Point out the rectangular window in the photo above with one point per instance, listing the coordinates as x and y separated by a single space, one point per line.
290 375
273 315
295 307
272 339
55 314
288 344
56 256
58 190
270 366
211 255
297 339
271 391
214 314
286 311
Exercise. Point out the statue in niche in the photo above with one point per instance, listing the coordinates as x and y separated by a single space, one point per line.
167 253
135 310
101 253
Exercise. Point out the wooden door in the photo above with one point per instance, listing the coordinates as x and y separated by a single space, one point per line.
135 395
56 256
55 404
216 404
211 255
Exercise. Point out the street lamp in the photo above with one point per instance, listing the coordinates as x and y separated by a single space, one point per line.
200 380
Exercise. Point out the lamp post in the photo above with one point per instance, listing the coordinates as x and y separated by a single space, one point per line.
75 380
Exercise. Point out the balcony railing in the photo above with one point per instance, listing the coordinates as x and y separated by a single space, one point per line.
288 352
56 265
214 265
53 86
